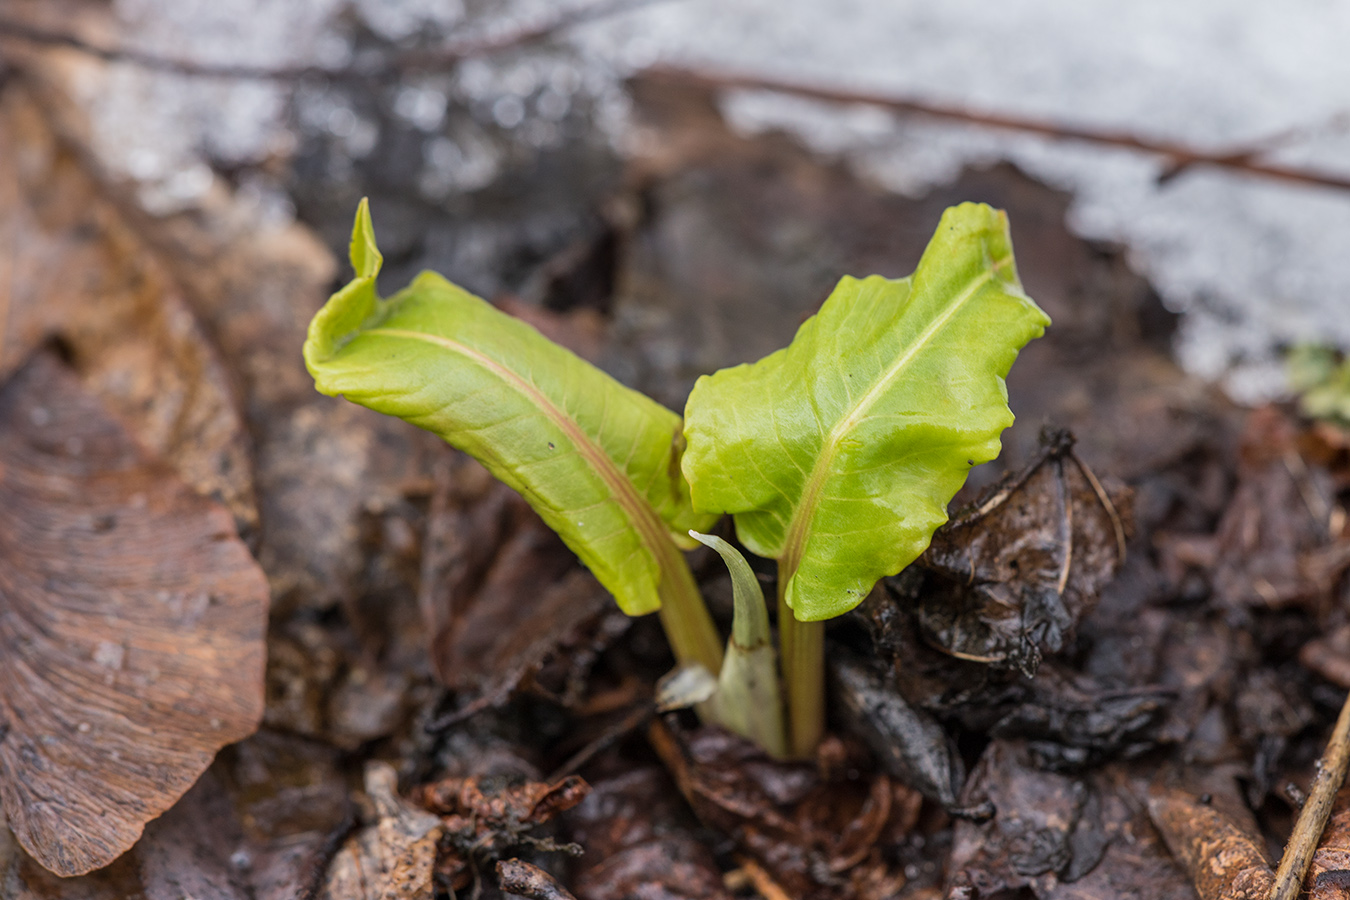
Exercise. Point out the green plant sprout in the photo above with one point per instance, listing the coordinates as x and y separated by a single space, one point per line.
837 456
1321 378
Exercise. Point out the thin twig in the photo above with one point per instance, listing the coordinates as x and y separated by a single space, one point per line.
1066 526
1298 853
1176 156
430 60
1105 499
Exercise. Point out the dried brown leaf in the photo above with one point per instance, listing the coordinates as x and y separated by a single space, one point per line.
488 803
816 838
1017 573
486 816
76 270
131 624
1274 543
501 593
184 853
516 876
639 842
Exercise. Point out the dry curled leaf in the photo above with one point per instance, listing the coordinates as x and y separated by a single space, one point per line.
1016 574
131 627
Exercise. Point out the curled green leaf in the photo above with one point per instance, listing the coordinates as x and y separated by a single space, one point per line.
599 462
839 454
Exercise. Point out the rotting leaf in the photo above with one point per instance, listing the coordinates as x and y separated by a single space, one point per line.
1046 829
1019 570
1273 543
131 625
1072 723
640 842
392 858
501 594
815 838
909 742
1059 838
839 454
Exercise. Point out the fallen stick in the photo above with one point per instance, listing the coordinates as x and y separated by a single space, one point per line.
1177 157
1298 853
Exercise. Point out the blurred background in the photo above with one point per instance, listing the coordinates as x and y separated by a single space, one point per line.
490 133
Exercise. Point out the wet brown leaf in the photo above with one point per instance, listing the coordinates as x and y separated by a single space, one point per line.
815 838
76 270
293 801
1018 571
131 622
1057 836
1274 546
1329 656
501 593
910 743
639 842
392 858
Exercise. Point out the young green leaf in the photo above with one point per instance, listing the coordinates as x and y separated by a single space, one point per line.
839 454
749 700
600 463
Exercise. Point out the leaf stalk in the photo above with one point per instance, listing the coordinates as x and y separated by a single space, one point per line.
802 651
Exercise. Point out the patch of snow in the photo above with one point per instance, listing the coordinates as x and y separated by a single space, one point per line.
1252 264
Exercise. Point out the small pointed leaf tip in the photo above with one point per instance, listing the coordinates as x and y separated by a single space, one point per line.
365 256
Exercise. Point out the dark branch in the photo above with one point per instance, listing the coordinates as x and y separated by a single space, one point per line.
1176 157
413 61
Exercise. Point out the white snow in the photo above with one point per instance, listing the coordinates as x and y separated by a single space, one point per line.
1252 264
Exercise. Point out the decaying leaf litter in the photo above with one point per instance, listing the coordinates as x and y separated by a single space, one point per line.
1177 692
